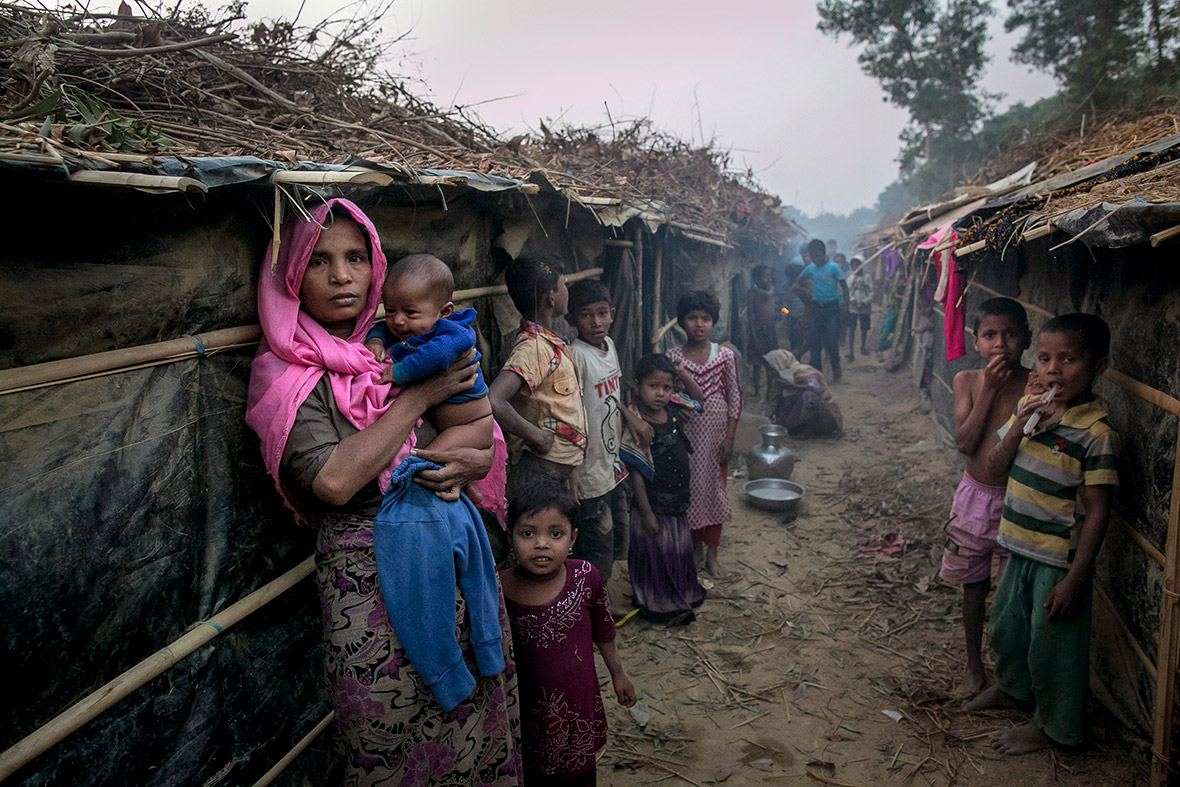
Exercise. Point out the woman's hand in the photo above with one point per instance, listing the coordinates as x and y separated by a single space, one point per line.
459 377
461 466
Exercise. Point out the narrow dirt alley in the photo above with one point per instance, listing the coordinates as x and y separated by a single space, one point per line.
828 653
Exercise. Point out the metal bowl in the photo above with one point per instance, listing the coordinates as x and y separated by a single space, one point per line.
774 494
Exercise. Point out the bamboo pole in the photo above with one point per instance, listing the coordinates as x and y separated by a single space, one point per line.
1166 756
1102 595
1165 235
331 178
136 180
669 325
502 289
876 254
970 248
1141 540
290 756
656 305
1039 231
42 739
83 367
1146 392
705 239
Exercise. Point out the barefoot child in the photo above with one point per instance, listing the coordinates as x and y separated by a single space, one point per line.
602 501
984 400
536 397
660 563
1041 613
714 369
558 608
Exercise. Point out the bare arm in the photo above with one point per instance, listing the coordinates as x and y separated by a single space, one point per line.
624 690
1062 600
1003 454
844 289
502 389
972 411
359 458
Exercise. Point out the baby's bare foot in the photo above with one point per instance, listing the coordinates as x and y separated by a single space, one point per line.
992 697
1022 739
971 684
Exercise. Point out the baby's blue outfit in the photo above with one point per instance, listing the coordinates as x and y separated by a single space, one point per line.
420 357
422 543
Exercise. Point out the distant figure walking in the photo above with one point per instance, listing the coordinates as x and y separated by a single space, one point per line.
822 284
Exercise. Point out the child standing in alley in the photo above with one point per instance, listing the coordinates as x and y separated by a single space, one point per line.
714 369
536 398
558 609
602 500
860 307
1056 510
984 400
660 563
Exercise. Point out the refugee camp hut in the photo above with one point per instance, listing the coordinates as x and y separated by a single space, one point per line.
1098 239
159 630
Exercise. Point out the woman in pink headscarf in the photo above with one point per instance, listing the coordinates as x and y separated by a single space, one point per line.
331 430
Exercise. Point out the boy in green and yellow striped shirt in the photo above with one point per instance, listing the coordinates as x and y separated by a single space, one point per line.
1056 509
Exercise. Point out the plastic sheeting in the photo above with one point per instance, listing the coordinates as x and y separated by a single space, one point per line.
133 507
1118 226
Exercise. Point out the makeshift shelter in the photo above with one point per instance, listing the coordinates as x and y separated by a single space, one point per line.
1095 238
158 629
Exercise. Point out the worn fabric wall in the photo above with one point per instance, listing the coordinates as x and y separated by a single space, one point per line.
1137 291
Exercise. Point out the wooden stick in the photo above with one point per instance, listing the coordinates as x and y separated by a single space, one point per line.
156 50
81 712
1039 232
970 248
136 180
1092 226
704 239
1169 648
502 289
876 254
333 178
1139 539
1165 235
1158 398
290 756
85 366
1101 594
663 329
246 77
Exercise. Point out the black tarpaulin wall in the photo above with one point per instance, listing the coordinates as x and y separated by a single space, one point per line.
133 505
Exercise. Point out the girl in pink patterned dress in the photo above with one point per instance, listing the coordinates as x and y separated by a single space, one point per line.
558 609
714 368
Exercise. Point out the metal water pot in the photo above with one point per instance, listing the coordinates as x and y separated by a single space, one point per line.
771 459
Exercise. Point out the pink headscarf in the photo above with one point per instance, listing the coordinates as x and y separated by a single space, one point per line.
296 351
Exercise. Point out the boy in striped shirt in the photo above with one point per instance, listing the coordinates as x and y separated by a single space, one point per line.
1056 509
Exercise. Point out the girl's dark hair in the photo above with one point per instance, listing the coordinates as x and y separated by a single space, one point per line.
650 364
529 279
540 492
697 300
1091 329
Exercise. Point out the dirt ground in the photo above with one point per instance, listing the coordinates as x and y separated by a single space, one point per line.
805 653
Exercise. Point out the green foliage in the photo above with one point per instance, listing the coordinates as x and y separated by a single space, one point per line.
929 58
87 119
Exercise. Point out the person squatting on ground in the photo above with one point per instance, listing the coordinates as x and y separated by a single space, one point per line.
602 498
660 563
1040 619
536 397
764 319
860 307
714 369
826 294
984 400
558 608
331 432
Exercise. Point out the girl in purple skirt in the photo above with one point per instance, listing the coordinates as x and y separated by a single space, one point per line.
660 562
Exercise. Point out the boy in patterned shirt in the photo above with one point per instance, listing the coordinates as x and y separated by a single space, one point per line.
1056 510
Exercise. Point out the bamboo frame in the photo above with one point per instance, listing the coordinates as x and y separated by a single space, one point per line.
1164 235
1166 759
1104 597
290 756
68 721
706 239
84 367
331 178
136 180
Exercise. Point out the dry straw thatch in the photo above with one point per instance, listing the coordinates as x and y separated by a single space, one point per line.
103 87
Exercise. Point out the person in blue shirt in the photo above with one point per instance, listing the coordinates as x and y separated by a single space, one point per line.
822 285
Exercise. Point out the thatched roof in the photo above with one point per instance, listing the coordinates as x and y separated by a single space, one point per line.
106 91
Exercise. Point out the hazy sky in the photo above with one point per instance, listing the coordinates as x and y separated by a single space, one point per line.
755 76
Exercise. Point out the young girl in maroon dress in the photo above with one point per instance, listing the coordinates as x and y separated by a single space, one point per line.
714 368
558 608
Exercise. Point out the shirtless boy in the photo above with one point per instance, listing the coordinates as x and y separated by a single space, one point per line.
984 400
